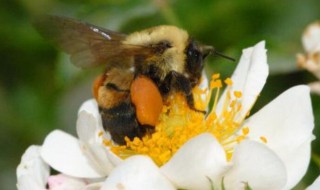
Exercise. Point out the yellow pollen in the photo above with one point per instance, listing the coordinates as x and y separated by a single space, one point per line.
245 131
106 142
237 94
215 76
240 138
178 124
264 139
215 84
228 81
100 133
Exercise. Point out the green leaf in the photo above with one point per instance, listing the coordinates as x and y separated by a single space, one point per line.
316 159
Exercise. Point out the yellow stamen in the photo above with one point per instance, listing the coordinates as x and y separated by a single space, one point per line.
237 94
245 130
215 76
228 81
240 138
215 84
106 142
264 139
178 124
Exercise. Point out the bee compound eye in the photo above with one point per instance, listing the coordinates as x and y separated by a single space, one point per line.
193 57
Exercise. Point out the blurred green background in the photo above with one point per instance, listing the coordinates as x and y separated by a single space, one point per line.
40 90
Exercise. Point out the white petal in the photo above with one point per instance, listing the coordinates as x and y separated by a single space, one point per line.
87 128
91 136
27 182
93 186
315 185
99 158
94 125
256 165
287 123
64 182
137 172
249 77
91 107
204 81
64 153
204 85
196 163
89 123
32 172
311 38
114 159
296 163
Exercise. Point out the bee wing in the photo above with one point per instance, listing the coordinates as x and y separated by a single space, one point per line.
87 44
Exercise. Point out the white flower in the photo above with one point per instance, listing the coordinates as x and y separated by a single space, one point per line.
274 154
311 59
33 174
311 38
286 122
86 157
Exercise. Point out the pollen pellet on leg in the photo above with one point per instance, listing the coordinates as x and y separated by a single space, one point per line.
147 99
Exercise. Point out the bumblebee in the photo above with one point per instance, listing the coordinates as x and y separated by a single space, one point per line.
166 57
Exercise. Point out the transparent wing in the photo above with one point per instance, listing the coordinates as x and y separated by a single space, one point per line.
87 44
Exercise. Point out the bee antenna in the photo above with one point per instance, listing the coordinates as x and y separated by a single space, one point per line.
224 56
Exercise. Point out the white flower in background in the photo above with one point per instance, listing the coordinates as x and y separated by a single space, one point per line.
311 59
269 150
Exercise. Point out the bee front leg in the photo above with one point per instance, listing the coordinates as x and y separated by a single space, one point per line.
180 83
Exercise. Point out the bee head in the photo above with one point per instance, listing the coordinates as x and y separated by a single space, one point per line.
173 50
195 55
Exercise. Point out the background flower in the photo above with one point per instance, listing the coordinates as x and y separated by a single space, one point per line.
311 59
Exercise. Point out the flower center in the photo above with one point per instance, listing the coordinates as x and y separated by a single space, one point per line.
178 124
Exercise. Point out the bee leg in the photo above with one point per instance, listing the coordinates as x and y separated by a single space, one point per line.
183 84
147 129
120 119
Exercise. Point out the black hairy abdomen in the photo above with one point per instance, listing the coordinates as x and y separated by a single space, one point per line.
121 122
